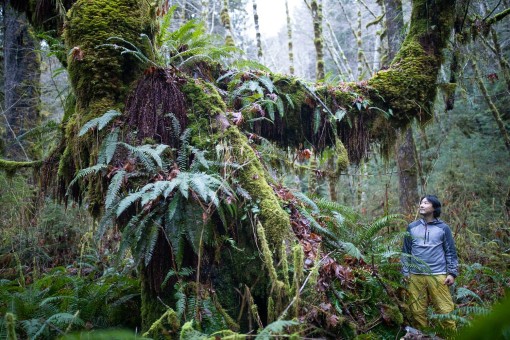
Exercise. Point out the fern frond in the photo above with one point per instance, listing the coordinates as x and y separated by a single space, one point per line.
84 173
307 201
182 157
151 243
114 188
108 147
267 82
275 328
176 126
143 155
376 226
99 122
463 292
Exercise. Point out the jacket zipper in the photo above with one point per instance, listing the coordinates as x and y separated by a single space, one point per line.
425 236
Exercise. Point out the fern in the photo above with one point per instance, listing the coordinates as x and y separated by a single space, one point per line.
182 158
142 153
85 173
108 147
462 293
176 126
151 243
99 122
113 189
372 229
275 328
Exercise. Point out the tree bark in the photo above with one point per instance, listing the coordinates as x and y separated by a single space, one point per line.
21 83
316 9
407 173
406 161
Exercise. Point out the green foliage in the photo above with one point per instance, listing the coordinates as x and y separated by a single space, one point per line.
59 303
186 46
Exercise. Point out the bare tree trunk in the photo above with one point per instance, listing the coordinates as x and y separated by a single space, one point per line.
394 25
21 82
492 107
289 37
407 173
340 51
204 11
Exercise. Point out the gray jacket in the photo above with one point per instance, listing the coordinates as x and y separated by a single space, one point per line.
430 249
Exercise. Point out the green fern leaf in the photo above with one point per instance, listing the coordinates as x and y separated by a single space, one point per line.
114 188
132 197
275 328
108 147
86 172
99 122
279 106
198 183
152 238
141 154
268 83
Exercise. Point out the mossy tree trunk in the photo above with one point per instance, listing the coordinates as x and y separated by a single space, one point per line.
101 78
405 156
21 83
289 39
257 30
318 39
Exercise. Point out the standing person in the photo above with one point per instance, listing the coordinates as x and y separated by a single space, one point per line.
429 263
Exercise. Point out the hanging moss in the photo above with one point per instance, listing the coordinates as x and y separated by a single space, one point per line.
252 178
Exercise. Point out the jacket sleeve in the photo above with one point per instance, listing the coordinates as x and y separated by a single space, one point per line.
406 252
452 263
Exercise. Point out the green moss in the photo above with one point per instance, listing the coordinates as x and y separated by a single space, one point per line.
10 325
100 77
342 160
169 319
99 71
203 98
10 167
252 178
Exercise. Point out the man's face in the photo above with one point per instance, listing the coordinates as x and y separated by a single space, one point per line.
426 208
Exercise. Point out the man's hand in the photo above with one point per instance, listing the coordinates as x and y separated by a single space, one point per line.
405 280
449 280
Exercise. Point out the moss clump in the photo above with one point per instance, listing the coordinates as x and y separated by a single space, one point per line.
252 178
409 86
203 98
98 71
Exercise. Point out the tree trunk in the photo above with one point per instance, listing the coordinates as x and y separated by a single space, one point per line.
289 39
406 161
407 173
316 8
257 30
21 84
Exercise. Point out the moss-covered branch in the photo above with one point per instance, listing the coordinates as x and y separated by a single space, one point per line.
498 17
12 166
364 112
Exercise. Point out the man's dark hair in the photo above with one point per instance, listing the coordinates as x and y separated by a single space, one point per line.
435 204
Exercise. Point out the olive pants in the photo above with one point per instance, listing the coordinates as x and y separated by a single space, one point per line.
423 288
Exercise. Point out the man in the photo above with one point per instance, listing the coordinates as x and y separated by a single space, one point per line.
429 263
